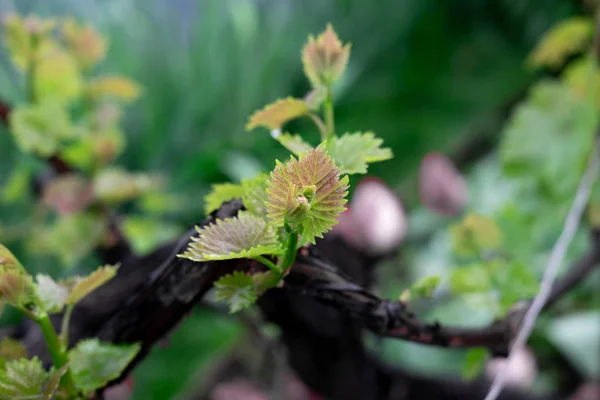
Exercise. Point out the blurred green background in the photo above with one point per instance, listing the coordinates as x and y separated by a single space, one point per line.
424 75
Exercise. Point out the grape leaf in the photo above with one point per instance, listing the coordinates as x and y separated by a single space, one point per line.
470 279
294 143
84 42
57 77
18 36
85 286
22 379
16 285
115 87
255 194
221 193
10 350
325 58
307 194
117 185
424 287
564 39
51 294
40 127
274 115
475 234
237 289
8 259
353 151
95 363
244 236
514 281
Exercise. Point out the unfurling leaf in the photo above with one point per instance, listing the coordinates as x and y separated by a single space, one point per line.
85 286
307 194
18 37
84 42
23 379
353 151
117 185
16 285
441 186
244 236
325 58
255 194
40 128
8 260
57 77
237 289
563 40
67 194
475 234
221 193
51 294
274 115
95 363
425 287
294 143
11 350
115 87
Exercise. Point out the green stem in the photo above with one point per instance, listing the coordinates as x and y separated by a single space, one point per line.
320 124
269 264
64 329
290 252
329 122
57 351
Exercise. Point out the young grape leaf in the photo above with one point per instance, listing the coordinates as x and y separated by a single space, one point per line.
18 36
564 39
22 379
8 259
315 98
115 87
221 193
57 77
52 381
16 286
40 128
244 236
85 286
10 350
294 143
514 281
255 194
95 363
325 58
470 279
353 151
84 42
475 234
424 287
274 115
307 194
237 289
117 185
51 294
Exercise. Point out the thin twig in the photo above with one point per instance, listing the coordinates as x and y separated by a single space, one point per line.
556 258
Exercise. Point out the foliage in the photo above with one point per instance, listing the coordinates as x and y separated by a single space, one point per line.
302 198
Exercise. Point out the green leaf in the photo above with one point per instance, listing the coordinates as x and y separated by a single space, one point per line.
474 362
16 285
221 193
474 234
237 289
16 186
95 363
85 286
10 350
244 236
564 39
293 143
325 58
57 77
425 287
52 295
514 281
470 279
22 379
8 259
52 381
255 194
353 151
307 194
274 115
116 185
40 128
